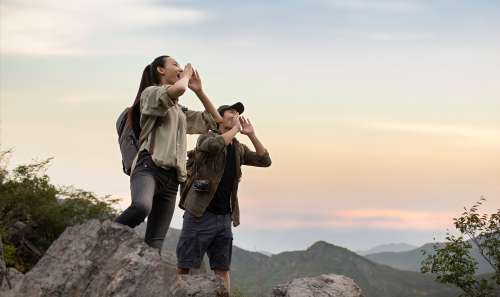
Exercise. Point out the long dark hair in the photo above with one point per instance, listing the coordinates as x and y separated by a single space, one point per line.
149 78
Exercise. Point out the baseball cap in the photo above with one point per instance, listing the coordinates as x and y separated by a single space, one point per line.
237 106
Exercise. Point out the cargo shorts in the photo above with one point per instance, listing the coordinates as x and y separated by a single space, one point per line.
211 233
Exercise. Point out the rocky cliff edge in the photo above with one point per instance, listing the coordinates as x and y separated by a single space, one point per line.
109 259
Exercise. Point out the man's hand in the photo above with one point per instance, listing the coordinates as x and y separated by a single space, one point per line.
187 72
246 126
195 82
247 129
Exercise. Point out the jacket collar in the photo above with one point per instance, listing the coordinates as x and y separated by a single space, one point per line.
217 131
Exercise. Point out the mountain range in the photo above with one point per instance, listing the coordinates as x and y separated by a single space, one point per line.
375 280
411 260
392 247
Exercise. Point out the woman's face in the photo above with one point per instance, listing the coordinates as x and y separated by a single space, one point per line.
171 70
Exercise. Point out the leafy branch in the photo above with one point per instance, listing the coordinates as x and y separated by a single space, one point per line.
453 263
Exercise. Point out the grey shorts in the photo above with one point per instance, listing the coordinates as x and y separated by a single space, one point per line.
211 233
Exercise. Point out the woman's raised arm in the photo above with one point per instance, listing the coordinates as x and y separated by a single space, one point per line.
196 87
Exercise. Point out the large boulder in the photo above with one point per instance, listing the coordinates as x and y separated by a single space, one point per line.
327 285
110 259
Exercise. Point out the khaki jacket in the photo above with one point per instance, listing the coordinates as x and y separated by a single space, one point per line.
212 168
175 122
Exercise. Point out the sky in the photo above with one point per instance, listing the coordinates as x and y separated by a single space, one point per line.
381 116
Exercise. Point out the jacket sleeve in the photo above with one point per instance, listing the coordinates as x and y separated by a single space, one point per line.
155 101
252 159
210 144
199 122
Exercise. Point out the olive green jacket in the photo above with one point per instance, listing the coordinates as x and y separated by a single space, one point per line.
170 145
211 160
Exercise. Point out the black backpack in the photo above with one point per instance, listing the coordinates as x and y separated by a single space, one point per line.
129 144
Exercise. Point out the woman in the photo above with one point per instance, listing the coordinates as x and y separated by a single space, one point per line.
161 125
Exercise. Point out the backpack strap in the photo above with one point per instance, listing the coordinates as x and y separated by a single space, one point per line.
153 135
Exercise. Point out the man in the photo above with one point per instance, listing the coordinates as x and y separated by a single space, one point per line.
210 209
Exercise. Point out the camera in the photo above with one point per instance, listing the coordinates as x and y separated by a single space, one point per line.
201 185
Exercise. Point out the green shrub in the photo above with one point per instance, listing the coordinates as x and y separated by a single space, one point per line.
27 195
453 263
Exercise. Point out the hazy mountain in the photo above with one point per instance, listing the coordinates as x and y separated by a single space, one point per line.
266 253
392 247
374 279
411 260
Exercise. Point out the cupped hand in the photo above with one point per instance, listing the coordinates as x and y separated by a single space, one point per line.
188 71
236 121
195 82
246 126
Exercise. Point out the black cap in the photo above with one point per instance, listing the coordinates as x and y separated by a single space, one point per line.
237 106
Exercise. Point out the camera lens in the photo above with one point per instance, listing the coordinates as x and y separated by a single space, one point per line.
196 184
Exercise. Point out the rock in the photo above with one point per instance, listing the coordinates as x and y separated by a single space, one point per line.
327 285
22 229
1 249
8 276
200 285
20 236
110 259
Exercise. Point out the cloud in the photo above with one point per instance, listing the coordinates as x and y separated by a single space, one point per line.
393 219
382 5
70 27
476 134
486 136
385 36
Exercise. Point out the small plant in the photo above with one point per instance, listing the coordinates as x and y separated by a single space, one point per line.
11 258
259 275
453 263
238 290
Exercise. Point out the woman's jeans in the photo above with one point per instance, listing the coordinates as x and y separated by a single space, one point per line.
154 191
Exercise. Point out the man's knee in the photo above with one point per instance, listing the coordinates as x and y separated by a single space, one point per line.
221 271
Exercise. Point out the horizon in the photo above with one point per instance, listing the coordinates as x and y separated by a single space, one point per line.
381 117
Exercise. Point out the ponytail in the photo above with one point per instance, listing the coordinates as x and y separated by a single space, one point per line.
149 78
145 82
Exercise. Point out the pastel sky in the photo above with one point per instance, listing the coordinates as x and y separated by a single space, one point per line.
382 117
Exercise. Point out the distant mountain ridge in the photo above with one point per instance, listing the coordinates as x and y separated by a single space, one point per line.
391 247
411 260
375 280
266 253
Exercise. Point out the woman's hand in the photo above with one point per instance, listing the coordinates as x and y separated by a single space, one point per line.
236 120
187 72
195 82
179 88
246 126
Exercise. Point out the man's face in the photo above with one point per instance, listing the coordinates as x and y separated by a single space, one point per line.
228 118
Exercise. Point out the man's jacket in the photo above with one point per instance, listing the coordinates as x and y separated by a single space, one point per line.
212 168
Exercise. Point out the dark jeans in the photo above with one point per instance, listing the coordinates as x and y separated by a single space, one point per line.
154 191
